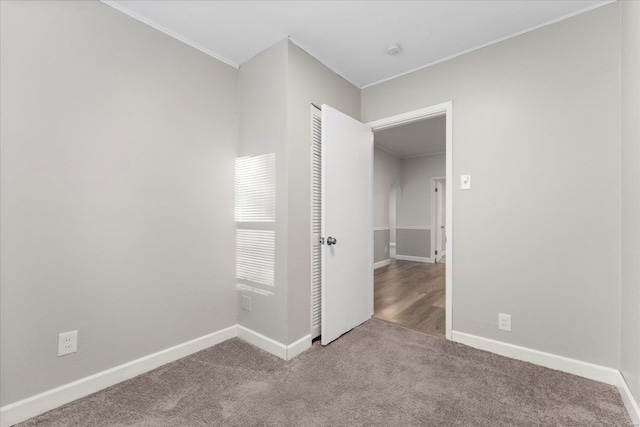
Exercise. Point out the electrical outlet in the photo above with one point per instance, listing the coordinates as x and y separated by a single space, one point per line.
386 248
67 343
504 322
246 303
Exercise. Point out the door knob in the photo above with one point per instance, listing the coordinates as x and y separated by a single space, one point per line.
331 241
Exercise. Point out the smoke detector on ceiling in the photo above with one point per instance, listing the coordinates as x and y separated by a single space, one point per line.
393 50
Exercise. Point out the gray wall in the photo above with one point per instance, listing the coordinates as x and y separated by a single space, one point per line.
414 242
537 125
118 145
387 171
263 130
630 342
414 203
380 245
277 88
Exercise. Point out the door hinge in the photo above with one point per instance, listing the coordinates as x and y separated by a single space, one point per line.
436 252
436 190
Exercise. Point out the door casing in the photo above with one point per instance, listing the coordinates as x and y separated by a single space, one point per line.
445 109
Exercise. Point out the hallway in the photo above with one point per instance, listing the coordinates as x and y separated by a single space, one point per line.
411 294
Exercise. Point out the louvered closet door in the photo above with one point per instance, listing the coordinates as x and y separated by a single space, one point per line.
316 211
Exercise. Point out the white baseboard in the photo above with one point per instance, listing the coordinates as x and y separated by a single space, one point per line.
629 400
263 342
286 352
24 409
559 363
414 258
298 347
381 263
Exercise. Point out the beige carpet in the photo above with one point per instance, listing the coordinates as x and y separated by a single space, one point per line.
379 374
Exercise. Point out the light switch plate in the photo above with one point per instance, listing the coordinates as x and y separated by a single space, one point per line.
465 182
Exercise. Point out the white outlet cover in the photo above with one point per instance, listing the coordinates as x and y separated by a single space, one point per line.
504 322
67 343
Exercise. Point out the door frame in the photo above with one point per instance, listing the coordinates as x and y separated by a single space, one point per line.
434 221
446 109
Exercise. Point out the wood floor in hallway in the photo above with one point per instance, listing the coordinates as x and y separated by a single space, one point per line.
411 294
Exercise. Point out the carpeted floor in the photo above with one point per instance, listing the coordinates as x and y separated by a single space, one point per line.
379 374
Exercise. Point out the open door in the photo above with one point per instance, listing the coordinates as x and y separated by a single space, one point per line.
440 219
347 224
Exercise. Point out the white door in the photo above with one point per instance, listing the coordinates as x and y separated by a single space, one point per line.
443 218
440 223
347 224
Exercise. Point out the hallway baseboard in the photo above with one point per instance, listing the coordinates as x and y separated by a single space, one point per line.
381 263
414 258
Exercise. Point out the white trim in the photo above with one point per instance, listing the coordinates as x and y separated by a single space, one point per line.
209 52
119 7
298 347
35 405
413 228
548 360
410 117
560 363
286 352
401 157
628 399
263 342
519 33
381 263
449 225
392 244
438 153
381 228
414 258
445 108
380 147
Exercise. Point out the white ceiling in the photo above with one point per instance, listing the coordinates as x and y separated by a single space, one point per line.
350 37
414 139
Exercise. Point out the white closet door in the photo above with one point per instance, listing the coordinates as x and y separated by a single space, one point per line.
347 224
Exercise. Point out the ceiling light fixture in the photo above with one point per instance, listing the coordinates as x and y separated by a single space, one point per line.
393 50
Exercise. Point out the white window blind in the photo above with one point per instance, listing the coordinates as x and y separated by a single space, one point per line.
255 214
255 256
256 188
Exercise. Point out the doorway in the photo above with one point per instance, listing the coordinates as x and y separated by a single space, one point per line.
415 288
328 133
